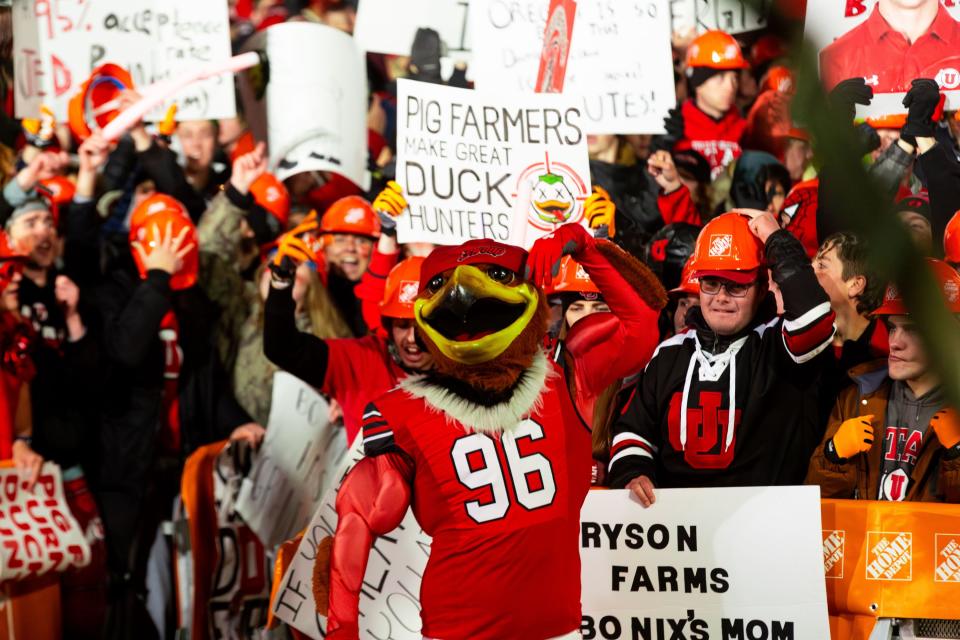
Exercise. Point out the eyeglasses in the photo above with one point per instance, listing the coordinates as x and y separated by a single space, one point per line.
712 286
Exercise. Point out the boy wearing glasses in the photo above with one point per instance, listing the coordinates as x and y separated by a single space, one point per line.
733 400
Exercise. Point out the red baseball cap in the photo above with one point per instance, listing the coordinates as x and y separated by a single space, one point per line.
472 252
740 277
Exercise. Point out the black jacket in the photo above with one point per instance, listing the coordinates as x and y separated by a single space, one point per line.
635 195
678 429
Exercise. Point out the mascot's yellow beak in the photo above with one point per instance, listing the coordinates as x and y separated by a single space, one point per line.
476 314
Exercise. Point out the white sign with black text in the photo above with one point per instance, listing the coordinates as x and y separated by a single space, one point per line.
483 165
58 44
742 562
620 69
294 466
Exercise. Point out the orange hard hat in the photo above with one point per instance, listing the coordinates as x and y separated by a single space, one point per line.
726 247
272 195
351 214
951 240
149 233
244 144
59 190
86 110
155 204
780 79
11 261
948 281
689 284
403 284
889 121
715 50
572 278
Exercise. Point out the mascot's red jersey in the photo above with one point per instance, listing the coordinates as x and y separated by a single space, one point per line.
503 509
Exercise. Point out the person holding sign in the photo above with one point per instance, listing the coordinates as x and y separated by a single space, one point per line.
730 401
891 435
487 447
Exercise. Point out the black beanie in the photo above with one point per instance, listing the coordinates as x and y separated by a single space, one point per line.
696 76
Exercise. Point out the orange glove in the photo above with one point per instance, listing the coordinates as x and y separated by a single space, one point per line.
946 424
168 126
854 436
294 248
600 210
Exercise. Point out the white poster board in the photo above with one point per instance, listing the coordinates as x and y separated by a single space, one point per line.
620 69
483 165
732 16
58 44
390 596
388 26
726 563
859 54
313 115
38 534
294 466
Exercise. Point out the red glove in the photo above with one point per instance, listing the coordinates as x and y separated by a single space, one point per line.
543 261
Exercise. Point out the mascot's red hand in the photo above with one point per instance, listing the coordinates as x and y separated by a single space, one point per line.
371 502
543 261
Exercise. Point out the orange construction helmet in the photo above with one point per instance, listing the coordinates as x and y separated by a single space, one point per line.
403 285
11 261
272 195
59 190
951 240
726 248
86 110
148 234
780 79
948 281
572 278
351 214
155 204
889 121
689 284
715 50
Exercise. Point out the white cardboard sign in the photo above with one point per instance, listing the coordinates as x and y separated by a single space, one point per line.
484 165
742 562
732 16
314 113
620 69
828 20
388 26
38 534
57 45
390 596
295 465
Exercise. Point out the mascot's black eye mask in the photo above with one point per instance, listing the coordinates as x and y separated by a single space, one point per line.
473 312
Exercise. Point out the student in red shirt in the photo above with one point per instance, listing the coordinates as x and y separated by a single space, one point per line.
710 121
353 371
900 41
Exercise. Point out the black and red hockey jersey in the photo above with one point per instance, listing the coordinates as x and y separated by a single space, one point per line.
736 410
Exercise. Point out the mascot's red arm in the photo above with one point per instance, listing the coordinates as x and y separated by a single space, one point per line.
603 350
371 502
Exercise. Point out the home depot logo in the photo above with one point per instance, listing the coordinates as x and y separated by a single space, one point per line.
833 543
947 559
408 291
889 555
720 245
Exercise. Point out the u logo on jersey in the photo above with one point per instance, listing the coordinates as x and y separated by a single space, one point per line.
707 425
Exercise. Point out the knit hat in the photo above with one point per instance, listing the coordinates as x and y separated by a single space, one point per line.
27 206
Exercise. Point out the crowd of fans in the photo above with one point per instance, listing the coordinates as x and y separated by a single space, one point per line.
152 287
